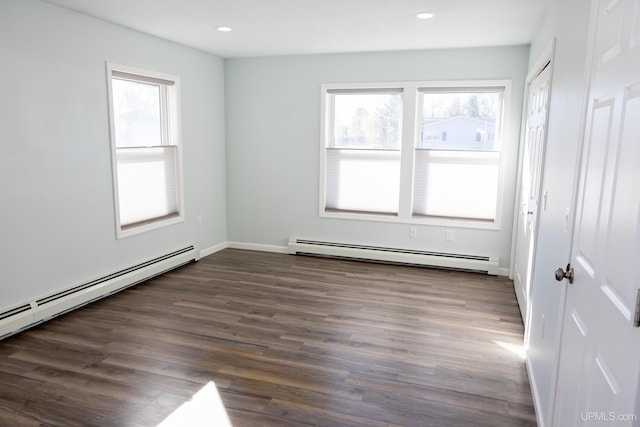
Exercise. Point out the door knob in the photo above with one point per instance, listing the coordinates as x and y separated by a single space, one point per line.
565 274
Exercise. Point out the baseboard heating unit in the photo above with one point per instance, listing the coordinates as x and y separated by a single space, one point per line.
35 312
487 264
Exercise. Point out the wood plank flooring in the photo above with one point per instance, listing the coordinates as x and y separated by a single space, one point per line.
287 341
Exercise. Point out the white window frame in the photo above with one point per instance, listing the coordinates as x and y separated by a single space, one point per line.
411 122
171 138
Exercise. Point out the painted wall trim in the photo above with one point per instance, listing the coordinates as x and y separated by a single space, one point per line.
258 247
213 249
534 393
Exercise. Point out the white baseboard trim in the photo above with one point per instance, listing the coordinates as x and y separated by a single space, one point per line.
276 249
285 250
534 393
213 249
258 247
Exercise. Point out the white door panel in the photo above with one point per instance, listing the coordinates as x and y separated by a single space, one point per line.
568 394
622 248
534 142
595 159
600 354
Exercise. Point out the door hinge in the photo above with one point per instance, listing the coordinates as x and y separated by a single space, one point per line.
636 319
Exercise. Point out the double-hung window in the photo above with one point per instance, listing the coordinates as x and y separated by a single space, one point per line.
457 153
145 140
416 152
363 151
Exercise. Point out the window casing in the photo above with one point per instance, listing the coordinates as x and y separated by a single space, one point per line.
442 160
146 154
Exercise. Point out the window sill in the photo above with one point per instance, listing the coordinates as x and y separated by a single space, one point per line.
413 220
133 229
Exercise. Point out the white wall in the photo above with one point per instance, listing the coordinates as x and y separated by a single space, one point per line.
566 113
273 144
57 212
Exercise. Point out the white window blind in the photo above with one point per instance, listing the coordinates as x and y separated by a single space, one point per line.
147 184
363 180
456 184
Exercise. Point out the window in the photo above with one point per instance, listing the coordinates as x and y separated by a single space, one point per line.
363 152
146 149
458 177
414 152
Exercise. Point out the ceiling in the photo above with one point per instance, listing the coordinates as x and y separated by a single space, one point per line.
291 27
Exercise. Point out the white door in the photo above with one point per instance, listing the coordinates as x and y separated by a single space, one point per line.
534 143
600 354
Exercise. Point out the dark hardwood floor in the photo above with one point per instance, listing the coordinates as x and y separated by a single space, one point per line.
287 341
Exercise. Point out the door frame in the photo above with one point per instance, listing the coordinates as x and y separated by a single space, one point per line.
547 57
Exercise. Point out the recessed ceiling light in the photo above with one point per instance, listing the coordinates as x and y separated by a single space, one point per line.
224 29
425 15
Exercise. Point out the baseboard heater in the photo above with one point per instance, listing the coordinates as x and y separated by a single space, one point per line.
487 264
35 312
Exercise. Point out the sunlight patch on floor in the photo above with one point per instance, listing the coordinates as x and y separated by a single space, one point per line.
205 408
517 349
